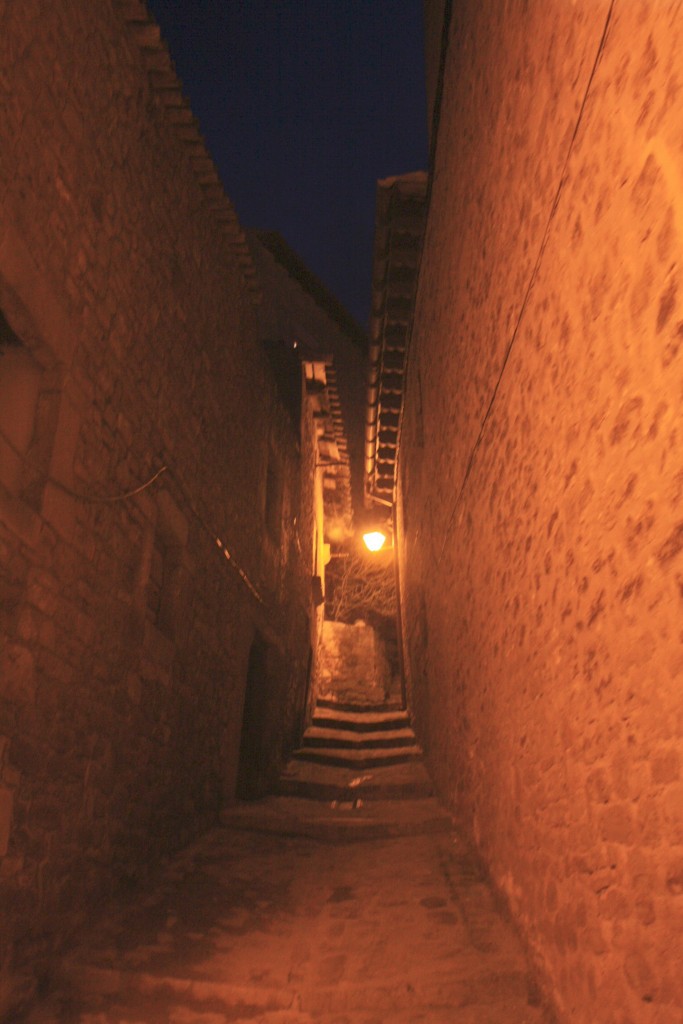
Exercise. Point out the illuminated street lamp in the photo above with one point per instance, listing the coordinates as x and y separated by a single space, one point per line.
374 540
374 525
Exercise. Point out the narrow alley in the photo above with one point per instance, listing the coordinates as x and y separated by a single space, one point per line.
341 664
353 901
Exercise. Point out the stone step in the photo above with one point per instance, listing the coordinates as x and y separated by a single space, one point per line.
111 995
244 926
146 1011
338 821
171 1008
390 707
362 721
324 782
358 758
319 736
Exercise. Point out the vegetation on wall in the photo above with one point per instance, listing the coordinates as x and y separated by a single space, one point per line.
361 586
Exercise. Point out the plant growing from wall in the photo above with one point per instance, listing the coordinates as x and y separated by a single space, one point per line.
361 586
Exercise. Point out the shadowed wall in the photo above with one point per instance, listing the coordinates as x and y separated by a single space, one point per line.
129 343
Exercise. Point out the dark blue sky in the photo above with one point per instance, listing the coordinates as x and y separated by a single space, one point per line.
304 104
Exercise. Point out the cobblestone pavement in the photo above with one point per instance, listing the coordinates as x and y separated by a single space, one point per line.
269 928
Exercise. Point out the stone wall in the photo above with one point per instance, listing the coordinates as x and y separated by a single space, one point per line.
541 490
354 667
129 344
298 314
303 310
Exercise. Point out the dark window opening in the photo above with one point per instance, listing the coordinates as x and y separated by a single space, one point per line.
253 776
166 573
23 461
286 364
8 339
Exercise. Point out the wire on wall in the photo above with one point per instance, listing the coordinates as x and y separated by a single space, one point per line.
109 499
220 544
127 495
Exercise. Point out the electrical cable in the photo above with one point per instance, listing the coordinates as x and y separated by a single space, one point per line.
107 499
220 544
112 499
532 280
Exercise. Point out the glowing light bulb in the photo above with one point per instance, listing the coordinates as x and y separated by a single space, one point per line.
374 541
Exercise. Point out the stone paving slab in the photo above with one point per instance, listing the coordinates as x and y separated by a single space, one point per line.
324 734
383 782
340 820
505 1014
360 759
252 926
369 718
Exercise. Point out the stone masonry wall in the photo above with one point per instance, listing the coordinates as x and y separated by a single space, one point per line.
289 311
353 664
541 485
125 632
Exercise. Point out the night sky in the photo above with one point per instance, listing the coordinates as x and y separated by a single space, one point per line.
304 104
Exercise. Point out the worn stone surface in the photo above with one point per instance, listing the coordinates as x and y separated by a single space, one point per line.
244 925
541 486
353 666
125 632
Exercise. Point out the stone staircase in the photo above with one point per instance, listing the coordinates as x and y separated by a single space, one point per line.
357 775
279 917
359 736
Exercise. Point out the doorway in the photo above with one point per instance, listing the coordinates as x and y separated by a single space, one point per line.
253 771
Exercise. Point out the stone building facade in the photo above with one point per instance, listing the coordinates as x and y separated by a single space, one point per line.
301 322
298 310
157 505
540 484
